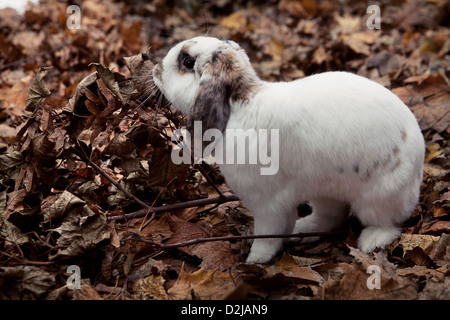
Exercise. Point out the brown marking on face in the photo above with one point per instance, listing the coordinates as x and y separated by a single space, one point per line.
242 81
226 76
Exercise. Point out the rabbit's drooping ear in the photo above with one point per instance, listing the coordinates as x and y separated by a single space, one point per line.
212 101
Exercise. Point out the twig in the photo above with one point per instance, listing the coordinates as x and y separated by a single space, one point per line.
233 238
176 206
150 210
28 262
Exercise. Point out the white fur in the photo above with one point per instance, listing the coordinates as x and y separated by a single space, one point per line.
345 141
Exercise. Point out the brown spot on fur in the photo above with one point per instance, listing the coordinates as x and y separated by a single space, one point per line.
397 164
387 160
396 151
404 135
375 165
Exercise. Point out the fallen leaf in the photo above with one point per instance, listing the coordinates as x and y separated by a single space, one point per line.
15 97
289 267
434 150
140 68
150 288
437 228
81 229
410 241
204 285
422 271
352 280
10 163
12 234
65 204
436 290
38 90
113 81
215 254
25 282
163 170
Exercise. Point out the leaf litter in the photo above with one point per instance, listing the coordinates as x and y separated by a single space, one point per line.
76 105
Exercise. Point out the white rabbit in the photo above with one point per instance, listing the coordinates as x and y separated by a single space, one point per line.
346 143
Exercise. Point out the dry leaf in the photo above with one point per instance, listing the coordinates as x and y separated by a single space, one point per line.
38 90
150 288
410 241
204 285
353 279
25 282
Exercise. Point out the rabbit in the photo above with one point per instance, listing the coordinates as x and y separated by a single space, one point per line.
347 145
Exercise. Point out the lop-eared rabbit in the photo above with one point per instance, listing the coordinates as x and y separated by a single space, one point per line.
346 144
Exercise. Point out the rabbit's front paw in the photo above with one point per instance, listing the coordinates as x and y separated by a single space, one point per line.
263 250
376 237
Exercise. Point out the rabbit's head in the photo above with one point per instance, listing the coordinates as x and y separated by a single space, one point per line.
203 76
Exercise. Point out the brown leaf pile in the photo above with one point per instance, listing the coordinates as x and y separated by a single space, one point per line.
78 104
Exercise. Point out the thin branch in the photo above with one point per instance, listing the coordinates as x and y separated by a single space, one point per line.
234 238
176 206
151 207
26 261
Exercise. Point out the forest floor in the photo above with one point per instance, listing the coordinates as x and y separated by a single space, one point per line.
85 168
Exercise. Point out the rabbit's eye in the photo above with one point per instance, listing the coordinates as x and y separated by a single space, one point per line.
189 62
